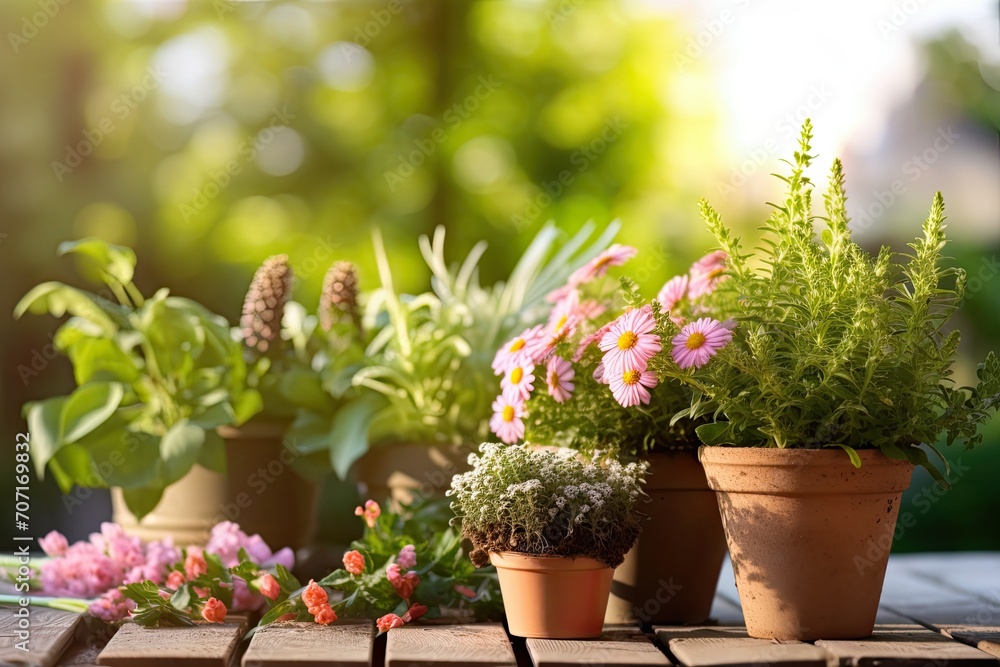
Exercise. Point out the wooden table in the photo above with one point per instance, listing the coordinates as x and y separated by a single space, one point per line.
937 611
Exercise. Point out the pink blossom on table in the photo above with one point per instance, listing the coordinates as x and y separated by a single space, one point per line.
559 375
314 595
370 512
160 556
84 571
630 343
507 421
54 544
465 591
354 562
518 383
324 614
244 598
195 564
414 612
672 293
227 539
388 622
698 342
214 611
517 350
407 557
630 387
111 607
269 586
706 274
616 255
175 580
404 584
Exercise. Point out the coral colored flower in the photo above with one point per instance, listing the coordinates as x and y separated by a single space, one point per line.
465 591
518 383
314 595
628 344
324 614
698 342
175 579
214 611
559 376
404 584
269 586
354 562
672 293
706 274
507 420
388 622
414 612
630 386
407 557
370 512
54 544
195 564
200 592
516 351
616 255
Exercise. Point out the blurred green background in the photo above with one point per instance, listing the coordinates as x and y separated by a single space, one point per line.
209 134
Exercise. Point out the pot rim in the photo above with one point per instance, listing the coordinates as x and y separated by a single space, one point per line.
789 456
513 560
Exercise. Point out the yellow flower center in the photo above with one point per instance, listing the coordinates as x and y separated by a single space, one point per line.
602 261
627 341
631 376
695 340
715 273
516 376
554 380
561 323
508 413
516 345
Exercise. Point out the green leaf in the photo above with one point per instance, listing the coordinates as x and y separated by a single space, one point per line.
219 414
181 599
309 432
141 501
289 584
87 408
851 452
76 466
101 359
44 419
213 453
58 299
114 260
304 388
349 436
716 433
180 448
245 405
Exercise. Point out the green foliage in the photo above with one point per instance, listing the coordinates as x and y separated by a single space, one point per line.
154 376
835 347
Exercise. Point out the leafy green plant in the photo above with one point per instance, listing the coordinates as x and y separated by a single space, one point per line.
835 348
548 502
155 377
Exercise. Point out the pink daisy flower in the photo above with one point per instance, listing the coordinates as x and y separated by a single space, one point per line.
561 325
671 294
518 383
616 255
590 340
507 420
629 343
559 376
706 274
599 374
698 342
516 351
631 386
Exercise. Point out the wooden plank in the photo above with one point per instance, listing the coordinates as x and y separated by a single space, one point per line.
732 647
905 646
430 646
202 645
617 647
984 637
80 654
50 631
311 645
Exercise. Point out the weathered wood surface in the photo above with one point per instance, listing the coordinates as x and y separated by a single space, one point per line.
984 637
732 647
203 645
430 646
617 647
905 646
309 644
50 632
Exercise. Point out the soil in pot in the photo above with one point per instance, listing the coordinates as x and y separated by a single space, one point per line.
807 535
261 492
553 597
671 574
397 471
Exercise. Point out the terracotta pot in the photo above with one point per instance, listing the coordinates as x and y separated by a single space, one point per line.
807 534
395 471
261 492
670 575
553 597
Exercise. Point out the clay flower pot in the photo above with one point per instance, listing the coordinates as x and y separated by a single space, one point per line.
801 525
395 471
670 575
553 597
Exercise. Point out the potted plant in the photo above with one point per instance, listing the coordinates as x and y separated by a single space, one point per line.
430 361
155 377
555 524
555 391
831 384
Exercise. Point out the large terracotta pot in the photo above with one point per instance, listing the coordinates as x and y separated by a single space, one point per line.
260 491
670 575
807 535
397 471
553 597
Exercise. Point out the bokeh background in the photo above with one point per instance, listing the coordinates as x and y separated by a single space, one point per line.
209 134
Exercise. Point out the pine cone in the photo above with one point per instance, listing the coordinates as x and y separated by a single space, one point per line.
264 305
339 300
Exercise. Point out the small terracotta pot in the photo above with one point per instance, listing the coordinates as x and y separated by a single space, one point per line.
395 471
807 534
670 575
553 597
260 491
